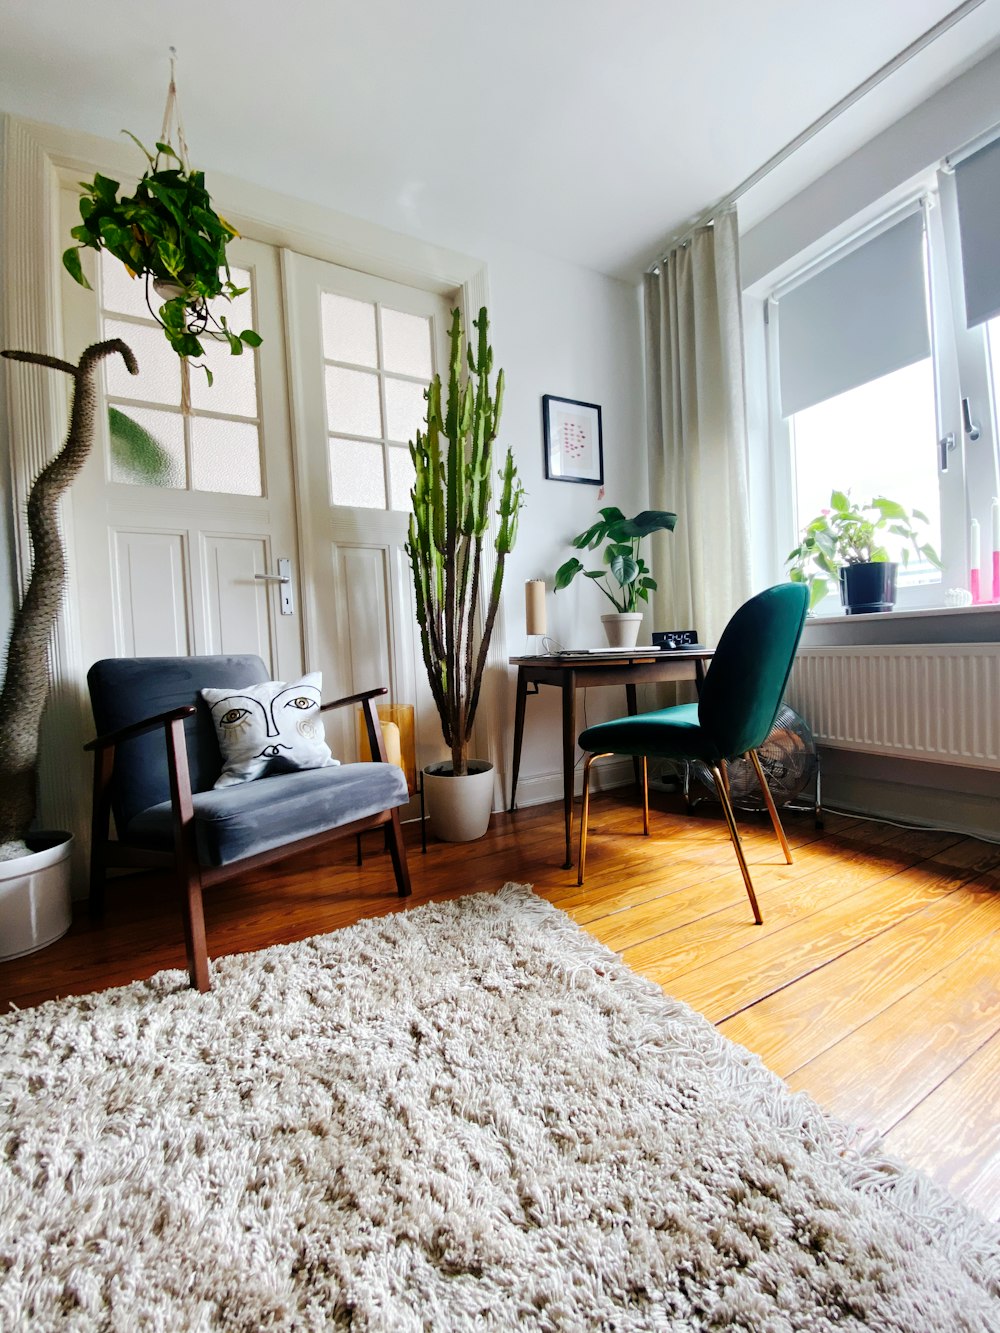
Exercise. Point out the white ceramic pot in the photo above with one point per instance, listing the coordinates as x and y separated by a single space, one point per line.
622 628
458 809
35 895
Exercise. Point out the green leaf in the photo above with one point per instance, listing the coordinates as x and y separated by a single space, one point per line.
137 451
251 338
624 569
649 521
566 573
72 265
161 148
840 502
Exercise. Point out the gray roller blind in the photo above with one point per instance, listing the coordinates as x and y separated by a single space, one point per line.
977 181
863 316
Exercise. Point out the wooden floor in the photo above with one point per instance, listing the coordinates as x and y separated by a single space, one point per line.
873 984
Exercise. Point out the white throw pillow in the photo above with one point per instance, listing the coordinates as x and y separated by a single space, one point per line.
272 727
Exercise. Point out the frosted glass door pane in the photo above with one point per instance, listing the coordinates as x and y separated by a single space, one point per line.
405 408
349 330
123 294
406 343
147 447
352 406
159 377
234 389
357 477
225 456
401 478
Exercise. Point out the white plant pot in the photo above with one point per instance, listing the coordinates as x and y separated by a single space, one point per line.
458 809
35 895
622 628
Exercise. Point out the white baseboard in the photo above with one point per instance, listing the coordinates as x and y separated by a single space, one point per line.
545 787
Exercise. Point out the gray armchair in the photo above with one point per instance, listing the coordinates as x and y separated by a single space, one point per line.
156 759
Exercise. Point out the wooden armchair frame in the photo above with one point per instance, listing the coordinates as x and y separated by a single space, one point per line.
191 876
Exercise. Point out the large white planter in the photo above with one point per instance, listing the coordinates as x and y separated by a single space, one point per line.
458 809
622 628
35 895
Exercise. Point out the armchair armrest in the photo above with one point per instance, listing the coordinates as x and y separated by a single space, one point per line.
354 698
365 698
138 728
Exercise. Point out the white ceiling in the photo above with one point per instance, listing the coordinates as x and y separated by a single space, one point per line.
588 129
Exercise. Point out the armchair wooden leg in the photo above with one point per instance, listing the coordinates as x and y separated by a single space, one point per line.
723 789
394 837
769 802
193 914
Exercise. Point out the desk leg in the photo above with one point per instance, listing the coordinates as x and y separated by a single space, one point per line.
522 692
569 754
633 708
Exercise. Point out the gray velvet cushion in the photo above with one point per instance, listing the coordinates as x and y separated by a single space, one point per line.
235 822
126 690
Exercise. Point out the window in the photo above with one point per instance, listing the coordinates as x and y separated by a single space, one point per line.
885 380
378 362
212 443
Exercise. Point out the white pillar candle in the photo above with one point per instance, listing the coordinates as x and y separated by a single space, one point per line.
974 549
390 738
995 516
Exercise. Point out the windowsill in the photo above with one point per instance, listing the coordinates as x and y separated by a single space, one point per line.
925 624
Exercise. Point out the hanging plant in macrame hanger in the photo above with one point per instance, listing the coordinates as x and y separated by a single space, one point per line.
169 236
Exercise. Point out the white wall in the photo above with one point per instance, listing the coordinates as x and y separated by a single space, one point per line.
566 331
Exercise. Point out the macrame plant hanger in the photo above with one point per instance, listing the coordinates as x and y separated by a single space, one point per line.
172 134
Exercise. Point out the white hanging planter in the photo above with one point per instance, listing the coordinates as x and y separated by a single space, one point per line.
35 905
459 809
622 628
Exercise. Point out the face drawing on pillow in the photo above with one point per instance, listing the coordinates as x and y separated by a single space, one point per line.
238 714
269 725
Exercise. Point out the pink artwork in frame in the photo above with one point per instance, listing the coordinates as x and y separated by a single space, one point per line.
574 445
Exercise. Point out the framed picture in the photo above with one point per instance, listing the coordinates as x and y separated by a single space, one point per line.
574 446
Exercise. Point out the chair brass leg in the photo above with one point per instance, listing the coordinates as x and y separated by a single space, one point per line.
723 790
769 801
585 812
645 796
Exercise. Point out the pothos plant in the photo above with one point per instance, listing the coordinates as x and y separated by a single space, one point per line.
625 578
168 234
848 533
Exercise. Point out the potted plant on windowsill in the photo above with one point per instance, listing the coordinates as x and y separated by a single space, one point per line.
625 579
843 543
452 495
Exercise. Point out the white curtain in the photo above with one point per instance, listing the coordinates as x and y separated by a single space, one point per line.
697 435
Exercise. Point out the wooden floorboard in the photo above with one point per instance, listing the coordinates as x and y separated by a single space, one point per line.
873 983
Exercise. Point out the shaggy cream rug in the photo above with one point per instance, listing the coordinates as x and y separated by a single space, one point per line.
465 1116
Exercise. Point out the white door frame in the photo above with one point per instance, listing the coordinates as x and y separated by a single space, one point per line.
37 160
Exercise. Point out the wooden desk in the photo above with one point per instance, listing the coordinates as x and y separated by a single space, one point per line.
570 671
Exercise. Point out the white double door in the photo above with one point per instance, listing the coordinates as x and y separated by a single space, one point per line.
190 565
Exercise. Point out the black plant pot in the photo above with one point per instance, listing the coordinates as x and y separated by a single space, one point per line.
868 587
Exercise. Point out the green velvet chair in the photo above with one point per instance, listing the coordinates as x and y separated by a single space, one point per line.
735 712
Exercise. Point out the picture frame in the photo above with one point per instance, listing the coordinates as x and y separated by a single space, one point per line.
574 440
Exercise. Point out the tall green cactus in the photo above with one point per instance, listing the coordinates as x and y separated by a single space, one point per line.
452 494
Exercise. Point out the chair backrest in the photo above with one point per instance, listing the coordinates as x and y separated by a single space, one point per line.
125 690
746 680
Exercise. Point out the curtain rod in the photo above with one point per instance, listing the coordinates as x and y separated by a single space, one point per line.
855 95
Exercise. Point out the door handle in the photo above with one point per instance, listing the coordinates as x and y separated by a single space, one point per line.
945 446
284 579
971 427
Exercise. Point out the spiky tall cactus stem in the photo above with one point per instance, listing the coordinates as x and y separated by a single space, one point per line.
452 494
26 680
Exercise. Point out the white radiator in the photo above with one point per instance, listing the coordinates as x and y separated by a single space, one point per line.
937 702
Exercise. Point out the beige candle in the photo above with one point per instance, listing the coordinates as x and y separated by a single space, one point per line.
534 606
390 737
